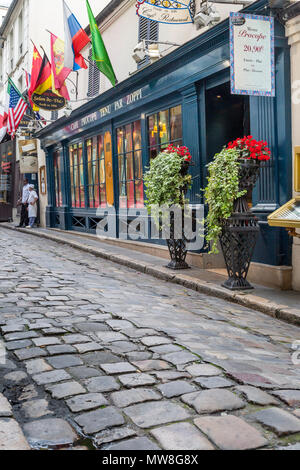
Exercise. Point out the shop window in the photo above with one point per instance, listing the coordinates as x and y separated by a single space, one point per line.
96 172
6 173
77 176
148 30
131 188
94 77
164 128
57 181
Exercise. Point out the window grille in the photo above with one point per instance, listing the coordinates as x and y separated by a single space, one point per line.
94 77
148 30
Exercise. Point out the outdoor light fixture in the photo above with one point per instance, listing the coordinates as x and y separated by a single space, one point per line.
68 111
149 49
139 52
206 16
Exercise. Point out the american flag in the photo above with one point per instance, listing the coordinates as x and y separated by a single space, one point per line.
17 108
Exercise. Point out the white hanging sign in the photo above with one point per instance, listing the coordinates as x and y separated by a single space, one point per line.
252 55
166 11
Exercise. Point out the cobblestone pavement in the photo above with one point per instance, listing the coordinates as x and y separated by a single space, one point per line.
100 356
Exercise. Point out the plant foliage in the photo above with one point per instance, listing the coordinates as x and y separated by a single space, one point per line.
221 192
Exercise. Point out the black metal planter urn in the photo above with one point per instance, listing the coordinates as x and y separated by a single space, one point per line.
240 232
178 247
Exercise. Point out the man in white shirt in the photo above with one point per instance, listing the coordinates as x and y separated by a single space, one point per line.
24 222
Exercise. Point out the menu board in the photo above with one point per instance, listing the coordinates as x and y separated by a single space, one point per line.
252 55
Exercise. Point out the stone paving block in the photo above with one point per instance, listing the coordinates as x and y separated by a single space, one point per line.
213 401
51 377
170 375
136 333
74 339
100 357
28 393
92 327
152 414
137 444
203 370
30 353
89 401
88 347
176 389
40 325
134 396
20 336
166 349
15 345
136 380
11 436
66 389
155 341
113 435
61 349
180 358
278 420
16 377
231 433
257 396
138 356
96 421
49 433
214 382
119 325
62 362
147 366
83 372
102 384
35 409
5 407
36 366
41 342
290 397
107 337
297 412
118 368
181 436
12 328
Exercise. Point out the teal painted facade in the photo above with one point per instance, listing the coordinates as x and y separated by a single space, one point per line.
192 76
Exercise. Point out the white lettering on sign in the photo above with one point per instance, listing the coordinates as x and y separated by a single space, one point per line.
105 111
252 55
88 119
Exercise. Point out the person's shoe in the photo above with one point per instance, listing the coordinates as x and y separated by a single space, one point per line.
29 226
18 226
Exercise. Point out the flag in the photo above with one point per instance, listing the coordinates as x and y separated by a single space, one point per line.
75 40
100 55
36 67
3 122
16 109
38 117
44 78
27 79
59 72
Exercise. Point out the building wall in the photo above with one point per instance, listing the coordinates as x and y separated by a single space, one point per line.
293 32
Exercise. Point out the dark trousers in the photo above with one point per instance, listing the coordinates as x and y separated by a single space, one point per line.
24 216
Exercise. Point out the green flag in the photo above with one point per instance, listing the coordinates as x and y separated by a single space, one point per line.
100 55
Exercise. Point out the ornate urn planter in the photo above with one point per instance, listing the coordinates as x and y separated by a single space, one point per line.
178 247
240 232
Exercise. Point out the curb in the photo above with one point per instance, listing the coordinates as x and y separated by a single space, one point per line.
280 312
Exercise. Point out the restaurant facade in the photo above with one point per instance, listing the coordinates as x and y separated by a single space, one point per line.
96 158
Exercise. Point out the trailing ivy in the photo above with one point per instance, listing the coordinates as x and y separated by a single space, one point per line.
221 192
164 182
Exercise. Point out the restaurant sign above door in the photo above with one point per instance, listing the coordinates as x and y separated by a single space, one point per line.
252 54
167 11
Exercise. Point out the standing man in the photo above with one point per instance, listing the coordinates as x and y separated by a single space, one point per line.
32 206
24 222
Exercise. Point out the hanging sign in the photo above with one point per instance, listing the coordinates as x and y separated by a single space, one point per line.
28 156
252 55
49 101
167 11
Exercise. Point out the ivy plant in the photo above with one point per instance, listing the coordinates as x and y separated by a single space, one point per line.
221 192
165 182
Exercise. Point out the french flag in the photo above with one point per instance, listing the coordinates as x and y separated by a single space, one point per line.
75 40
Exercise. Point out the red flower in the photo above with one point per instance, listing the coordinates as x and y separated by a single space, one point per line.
251 148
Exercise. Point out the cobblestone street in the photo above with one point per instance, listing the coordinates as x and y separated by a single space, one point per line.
100 356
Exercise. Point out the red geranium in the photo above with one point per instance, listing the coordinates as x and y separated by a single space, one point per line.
181 151
250 148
